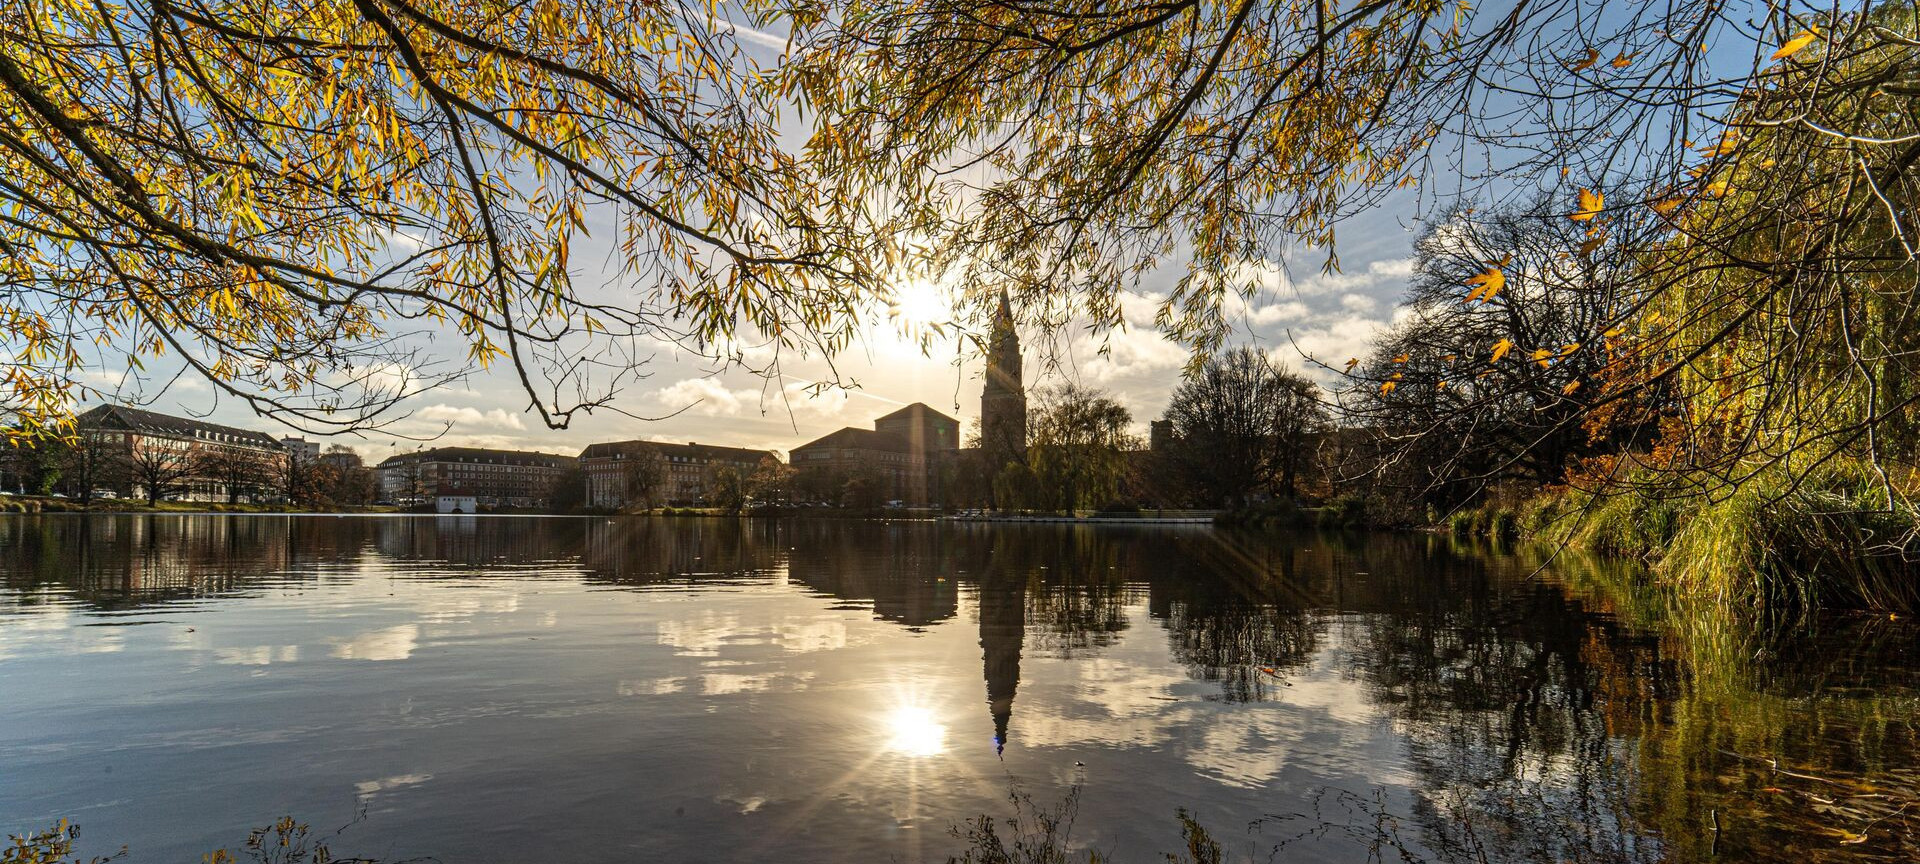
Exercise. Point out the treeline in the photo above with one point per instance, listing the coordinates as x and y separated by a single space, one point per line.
1714 371
87 467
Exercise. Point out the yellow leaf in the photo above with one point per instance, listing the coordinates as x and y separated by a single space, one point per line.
1387 387
1593 56
1717 189
1571 386
1442 385
1624 60
1569 349
1401 359
1590 204
1794 45
1588 247
1352 362
1543 357
1490 281
1666 206
1500 349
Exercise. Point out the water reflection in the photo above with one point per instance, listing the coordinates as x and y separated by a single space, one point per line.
825 676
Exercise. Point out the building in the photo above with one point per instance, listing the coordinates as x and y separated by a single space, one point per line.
300 450
623 473
456 504
144 454
493 478
901 453
1003 398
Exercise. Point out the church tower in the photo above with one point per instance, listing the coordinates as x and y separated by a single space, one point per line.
1003 402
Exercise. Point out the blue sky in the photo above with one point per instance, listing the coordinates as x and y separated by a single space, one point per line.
1298 309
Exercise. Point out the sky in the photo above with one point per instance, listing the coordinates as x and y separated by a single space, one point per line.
1298 312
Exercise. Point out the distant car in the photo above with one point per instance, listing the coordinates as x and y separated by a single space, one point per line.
108 494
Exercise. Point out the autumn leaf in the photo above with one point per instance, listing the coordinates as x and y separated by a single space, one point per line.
1593 56
1571 386
1666 206
1794 45
1352 362
1543 357
1590 204
1489 283
1500 349
1440 385
1717 189
1401 359
1588 247
1387 387
1624 60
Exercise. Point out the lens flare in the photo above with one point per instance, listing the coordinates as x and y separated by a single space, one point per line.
915 731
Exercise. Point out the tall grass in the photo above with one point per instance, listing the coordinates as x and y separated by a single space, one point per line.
1780 543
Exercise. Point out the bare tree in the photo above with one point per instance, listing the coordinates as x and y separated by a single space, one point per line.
160 469
1243 424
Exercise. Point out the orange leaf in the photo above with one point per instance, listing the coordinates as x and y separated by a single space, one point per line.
1571 386
1500 349
1794 45
1590 204
1665 207
1593 56
1490 281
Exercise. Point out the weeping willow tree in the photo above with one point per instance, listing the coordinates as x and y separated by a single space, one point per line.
1783 304
296 200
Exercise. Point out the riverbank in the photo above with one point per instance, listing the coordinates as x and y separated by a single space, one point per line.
54 504
1780 544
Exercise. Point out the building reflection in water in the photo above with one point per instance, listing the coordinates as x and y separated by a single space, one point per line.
1514 699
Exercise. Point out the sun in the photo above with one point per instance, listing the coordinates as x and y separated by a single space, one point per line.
914 730
918 304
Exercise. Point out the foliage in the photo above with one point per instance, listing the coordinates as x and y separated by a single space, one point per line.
1465 419
1243 424
1066 148
1077 444
52 846
725 488
642 472
274 195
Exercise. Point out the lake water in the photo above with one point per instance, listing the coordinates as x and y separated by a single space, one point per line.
564 689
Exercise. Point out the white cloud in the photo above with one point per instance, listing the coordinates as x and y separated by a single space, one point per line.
463 416
703 396
392 643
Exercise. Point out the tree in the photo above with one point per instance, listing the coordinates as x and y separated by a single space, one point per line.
1077 443
274 195
642 472
160 469
770 482
1242 425
1102 140
1487 374
244 473
725 488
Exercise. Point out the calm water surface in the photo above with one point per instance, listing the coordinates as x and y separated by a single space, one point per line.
521 689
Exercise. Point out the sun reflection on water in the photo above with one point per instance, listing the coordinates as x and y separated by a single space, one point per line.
914 730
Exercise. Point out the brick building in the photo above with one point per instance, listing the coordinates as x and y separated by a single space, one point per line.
145 454
494 478
684 470
901 452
